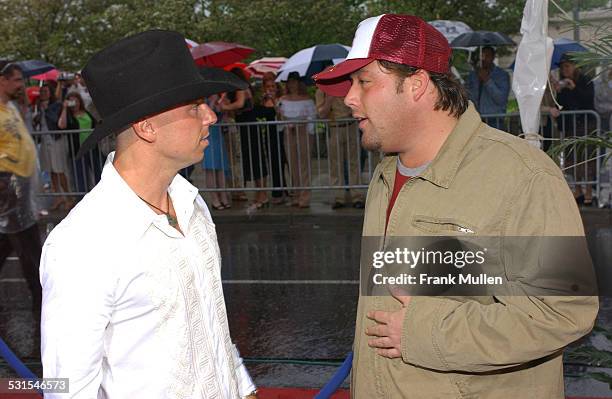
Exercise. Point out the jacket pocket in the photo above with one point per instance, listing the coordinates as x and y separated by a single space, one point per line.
443 226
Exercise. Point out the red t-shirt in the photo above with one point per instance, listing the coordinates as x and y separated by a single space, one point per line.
400 180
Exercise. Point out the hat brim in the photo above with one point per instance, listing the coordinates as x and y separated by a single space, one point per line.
223 76
335 80
211 82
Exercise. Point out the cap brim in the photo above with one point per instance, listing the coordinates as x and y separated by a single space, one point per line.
335 80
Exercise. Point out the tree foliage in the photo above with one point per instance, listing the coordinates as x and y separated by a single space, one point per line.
569 5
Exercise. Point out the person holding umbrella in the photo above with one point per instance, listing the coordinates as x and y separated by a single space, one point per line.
133 303
489 86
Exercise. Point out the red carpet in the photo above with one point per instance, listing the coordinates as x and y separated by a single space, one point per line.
264 393
295 393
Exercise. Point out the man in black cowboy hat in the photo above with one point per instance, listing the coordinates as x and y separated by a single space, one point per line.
133 304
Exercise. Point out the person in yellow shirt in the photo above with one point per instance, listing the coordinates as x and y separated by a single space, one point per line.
18 227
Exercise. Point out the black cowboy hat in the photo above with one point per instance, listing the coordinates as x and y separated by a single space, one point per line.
144 75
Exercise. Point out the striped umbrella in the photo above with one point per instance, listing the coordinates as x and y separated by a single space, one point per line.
312 60
261 66
190 43
220 54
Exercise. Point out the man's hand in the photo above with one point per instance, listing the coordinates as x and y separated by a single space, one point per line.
483 74
388 329
554 112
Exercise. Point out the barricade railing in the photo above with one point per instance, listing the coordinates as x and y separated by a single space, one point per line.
314 154
581 164
273 156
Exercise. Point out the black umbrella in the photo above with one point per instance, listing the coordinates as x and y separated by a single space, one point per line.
34 67
481 38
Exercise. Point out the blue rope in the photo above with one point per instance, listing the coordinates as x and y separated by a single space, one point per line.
324 393
335 382
14 361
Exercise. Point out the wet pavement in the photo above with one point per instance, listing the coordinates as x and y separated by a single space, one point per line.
291 294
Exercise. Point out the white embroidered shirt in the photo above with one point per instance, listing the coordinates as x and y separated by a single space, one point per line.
132 308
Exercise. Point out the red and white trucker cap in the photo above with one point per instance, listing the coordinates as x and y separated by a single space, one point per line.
403 39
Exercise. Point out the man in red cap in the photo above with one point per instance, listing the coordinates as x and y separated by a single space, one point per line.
449 174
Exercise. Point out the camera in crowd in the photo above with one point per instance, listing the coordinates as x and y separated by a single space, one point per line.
66 76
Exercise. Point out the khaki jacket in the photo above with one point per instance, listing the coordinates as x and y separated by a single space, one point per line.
493 184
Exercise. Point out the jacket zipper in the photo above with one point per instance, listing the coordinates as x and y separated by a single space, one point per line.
465 230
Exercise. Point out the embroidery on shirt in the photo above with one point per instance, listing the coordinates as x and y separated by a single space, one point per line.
165 293
201 340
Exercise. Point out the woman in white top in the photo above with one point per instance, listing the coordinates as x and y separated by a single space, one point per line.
299 136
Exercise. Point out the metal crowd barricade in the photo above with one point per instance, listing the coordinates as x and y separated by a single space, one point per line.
581 166
297 150
59 148
314 154
285 154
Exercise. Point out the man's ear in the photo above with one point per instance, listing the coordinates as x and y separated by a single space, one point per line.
418 84
144 130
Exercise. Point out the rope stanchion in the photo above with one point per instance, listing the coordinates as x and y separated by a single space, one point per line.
339 377
14 361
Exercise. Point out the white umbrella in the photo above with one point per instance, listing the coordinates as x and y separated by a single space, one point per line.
450 29
312 60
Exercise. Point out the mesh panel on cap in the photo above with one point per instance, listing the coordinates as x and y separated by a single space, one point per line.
406 39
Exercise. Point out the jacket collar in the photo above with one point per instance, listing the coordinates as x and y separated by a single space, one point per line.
136 217
442 170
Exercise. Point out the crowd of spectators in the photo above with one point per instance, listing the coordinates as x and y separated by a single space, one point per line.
255 144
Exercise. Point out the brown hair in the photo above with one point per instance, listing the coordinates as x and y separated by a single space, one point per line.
302 89
52 98
452 96
268 76
79 97
271 77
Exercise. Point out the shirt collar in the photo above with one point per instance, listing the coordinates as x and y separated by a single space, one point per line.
134 215
442 170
